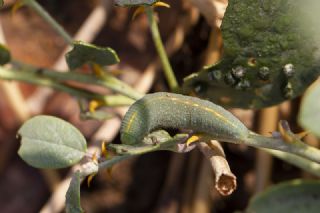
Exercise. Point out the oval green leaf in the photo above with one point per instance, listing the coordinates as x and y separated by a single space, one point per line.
50 142
296 196
83 53
271 53
5 56
131 3
73 195
309 115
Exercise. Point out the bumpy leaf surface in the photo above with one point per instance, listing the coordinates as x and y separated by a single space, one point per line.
271 54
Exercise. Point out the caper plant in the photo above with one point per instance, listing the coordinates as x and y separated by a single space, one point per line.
271 54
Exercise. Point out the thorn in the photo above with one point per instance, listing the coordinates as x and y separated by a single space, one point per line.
17 6
97 69
89 180
286 133
283 130
94 157
137 12
160 4
302 134
104 150
94 104
192 139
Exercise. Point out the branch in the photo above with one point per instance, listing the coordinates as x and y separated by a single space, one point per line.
296 147
169 74
302 163
107 80
155 141
108 100
46 16
163 141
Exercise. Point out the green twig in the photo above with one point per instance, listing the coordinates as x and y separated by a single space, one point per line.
297 153
113 100
169 144
112 161
125 151
297 147
302 163
169 74
46 16
107 81
33 78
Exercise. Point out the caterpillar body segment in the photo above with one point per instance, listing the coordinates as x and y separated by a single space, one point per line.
167 110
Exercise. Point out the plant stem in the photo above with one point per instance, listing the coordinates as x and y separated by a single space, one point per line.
297 147
307 165
307 155
116 100
169 144
112 161
46 16
169 74
107 81
127 151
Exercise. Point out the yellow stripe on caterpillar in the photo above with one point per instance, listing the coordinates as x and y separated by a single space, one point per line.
168 110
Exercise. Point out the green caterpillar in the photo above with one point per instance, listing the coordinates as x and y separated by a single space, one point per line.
168 110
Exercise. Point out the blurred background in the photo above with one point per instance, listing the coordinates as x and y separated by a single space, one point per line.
156 182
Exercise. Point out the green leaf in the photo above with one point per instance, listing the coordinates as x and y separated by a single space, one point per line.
83 53
309 115
73 195
271 53
50 142
131 3
5 56
1 3
296 196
